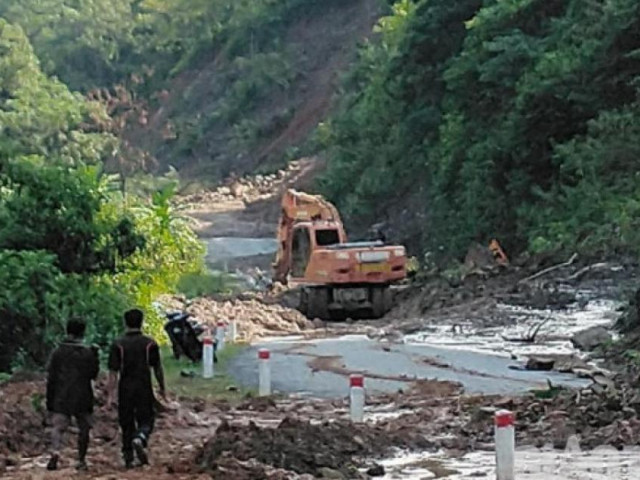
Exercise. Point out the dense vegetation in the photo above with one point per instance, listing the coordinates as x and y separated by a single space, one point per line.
79 81
515 119
70 244
211 64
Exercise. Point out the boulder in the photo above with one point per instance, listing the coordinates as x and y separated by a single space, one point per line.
540 364
591 338
326 472
376 471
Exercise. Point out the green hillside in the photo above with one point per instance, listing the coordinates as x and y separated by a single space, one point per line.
514 119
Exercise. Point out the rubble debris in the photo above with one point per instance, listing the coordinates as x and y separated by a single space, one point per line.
299 446
540 364
249 189
253 315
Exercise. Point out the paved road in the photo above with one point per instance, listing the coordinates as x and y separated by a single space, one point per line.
291 372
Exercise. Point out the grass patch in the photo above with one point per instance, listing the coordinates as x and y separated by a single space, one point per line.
219 387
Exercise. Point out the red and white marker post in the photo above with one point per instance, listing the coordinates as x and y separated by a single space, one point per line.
220 336
505 445
207 356
264 373
356 398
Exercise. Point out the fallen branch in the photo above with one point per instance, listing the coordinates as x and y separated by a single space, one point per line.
585 270
550 269
536 329
531 335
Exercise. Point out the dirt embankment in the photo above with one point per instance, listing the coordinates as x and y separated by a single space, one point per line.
317 46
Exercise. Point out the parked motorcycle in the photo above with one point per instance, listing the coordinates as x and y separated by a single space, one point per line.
186 334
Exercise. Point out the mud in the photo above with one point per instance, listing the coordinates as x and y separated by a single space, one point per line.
301 447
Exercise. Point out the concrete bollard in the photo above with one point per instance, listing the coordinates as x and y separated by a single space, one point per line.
232 334
220 336
505 445
356 398
207 356
264 373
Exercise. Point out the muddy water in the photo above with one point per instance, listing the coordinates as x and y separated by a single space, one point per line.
554 336
320 368
531 464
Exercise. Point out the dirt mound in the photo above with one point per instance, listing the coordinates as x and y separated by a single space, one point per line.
22 419
249 189
299 446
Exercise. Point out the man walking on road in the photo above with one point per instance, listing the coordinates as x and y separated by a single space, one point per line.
131 357
72 367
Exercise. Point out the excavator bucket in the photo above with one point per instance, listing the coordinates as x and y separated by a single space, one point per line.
498 253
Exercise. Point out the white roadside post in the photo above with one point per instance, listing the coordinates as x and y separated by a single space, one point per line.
233 331
264 373
505 445
207 356
220 336
356 398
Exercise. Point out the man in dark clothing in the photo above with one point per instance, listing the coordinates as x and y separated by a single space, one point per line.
72 367
131 357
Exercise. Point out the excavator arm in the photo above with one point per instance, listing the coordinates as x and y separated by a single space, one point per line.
298 207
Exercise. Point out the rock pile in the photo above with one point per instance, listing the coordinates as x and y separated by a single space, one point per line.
247 189
254 317
600 415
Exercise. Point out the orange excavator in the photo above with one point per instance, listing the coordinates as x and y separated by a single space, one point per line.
337 279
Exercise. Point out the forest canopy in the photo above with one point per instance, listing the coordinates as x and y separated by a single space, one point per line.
514 119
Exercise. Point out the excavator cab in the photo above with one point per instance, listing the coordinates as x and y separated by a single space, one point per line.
306 238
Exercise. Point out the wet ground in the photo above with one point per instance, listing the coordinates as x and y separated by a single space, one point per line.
604 463
554 336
